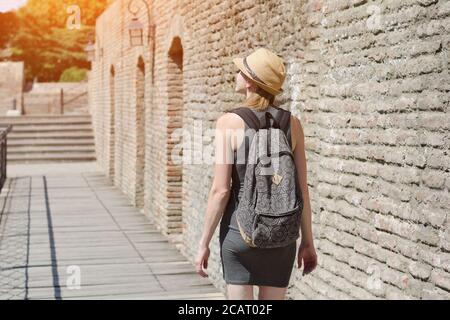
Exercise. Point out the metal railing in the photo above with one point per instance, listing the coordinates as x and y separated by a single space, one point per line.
55 100
63 93
4 130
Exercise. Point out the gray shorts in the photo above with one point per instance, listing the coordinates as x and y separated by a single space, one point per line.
242 264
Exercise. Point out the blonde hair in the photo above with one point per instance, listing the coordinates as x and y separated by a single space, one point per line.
258 102
258 99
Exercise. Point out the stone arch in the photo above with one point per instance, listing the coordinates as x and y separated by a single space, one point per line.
112 121
176 29
175 123
140 132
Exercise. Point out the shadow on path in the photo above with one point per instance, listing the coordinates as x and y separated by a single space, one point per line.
70 234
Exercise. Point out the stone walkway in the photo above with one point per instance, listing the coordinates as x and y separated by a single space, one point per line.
67 233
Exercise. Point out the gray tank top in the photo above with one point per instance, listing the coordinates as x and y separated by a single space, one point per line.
238 169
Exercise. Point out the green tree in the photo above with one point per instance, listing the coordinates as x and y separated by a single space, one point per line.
73 74
44 41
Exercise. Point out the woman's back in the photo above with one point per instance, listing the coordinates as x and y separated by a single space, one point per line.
260 77
240 155
242 264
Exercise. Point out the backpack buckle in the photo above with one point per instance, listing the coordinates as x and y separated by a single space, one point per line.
276 178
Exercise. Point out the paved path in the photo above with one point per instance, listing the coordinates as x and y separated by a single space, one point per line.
66 224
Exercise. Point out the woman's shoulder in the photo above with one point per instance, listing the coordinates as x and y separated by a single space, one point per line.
230 120
296 122
296 130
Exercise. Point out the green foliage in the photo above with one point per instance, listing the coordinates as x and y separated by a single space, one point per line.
73 74
44 41
54 13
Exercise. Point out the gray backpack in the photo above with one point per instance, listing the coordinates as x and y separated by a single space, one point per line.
269 211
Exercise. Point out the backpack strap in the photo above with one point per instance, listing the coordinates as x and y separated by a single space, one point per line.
248 116
284 118
267 124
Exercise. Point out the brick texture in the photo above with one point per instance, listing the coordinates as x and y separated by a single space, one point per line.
369 81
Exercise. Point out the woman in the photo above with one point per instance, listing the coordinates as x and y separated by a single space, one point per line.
260 77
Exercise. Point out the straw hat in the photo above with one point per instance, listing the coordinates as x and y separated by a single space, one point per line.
265 68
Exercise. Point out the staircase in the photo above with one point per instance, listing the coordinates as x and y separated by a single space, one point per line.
50 138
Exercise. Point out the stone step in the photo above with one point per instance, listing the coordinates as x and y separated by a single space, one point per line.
32 149
53 135
50 142
48 116
42 120
51 128
50 138
51 157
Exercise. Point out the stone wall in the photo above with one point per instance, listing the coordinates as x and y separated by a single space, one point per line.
45 98
369 81
11 85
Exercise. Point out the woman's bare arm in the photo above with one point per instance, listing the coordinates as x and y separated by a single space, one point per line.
306 252
300 162
220 189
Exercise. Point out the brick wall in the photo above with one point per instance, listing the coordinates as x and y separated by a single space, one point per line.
369 81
